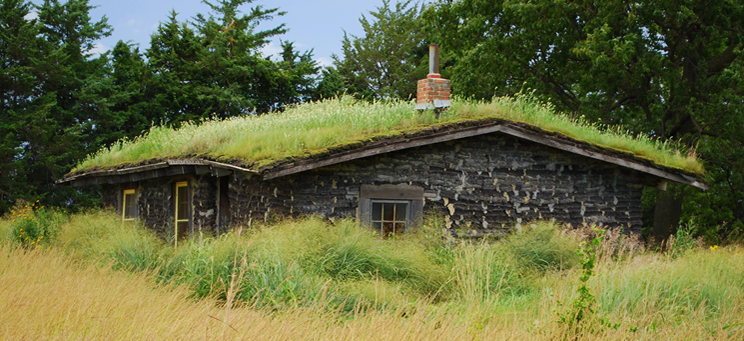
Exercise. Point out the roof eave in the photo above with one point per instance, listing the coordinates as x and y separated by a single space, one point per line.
145 172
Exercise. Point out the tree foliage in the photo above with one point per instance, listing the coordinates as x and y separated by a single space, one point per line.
49 89
388 60
213 67
667 69
59 102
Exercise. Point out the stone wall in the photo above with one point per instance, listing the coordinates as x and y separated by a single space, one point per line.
204 203
155 205
155 202
110 196
482 185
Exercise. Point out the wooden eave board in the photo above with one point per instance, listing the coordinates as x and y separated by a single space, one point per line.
165 168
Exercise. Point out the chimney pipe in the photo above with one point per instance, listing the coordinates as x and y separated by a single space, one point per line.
434 59
433 92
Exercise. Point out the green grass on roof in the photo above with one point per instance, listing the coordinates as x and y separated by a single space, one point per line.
313 128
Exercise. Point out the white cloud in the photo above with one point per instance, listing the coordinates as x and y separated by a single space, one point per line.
324 61
271 49
97 49
131 22
31 16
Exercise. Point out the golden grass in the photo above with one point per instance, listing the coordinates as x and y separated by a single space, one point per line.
312 128
46 296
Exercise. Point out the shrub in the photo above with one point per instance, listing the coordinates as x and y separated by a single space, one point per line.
33 226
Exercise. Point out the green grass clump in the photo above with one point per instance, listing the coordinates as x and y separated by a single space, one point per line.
313 128
701 281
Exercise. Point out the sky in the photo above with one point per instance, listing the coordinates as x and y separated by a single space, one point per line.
312 24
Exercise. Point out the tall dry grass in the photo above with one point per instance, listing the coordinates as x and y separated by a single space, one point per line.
99 278
48 296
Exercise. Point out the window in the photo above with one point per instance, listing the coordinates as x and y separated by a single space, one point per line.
182 212
391 209
390 217
128 209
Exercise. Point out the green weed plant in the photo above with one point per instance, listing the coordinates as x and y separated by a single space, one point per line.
582 316
34 226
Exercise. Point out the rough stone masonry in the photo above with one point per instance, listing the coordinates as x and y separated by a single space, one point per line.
482 185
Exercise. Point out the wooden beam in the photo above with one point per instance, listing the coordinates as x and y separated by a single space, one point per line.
202 170
229 166
220 172
401 192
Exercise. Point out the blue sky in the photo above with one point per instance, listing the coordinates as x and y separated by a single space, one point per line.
316 24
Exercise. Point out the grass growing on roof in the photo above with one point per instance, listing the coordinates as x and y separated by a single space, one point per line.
313 128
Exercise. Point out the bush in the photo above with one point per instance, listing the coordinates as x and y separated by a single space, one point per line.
32 226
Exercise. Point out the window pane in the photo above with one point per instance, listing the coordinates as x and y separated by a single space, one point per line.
400 211
400 228
377 211
378 227
128 205
182 230
387 229
182 202
387 212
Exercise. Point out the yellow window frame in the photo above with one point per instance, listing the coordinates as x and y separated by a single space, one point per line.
179 184
124 205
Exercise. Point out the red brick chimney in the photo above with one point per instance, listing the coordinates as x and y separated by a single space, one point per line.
434 91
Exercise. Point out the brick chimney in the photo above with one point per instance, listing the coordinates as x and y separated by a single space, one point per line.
434 91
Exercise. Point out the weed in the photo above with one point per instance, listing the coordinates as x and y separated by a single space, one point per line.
581 315
34 226
683 240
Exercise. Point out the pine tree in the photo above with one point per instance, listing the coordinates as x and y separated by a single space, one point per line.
49 96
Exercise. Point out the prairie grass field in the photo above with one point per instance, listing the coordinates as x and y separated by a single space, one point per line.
315 127
91 276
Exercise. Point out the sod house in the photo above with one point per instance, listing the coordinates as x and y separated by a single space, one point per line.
484 166
484 175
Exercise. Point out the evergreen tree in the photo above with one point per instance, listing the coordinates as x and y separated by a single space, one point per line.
18 56
331 84
50 97
173 67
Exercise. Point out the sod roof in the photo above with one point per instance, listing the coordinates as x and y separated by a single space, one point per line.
313 132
